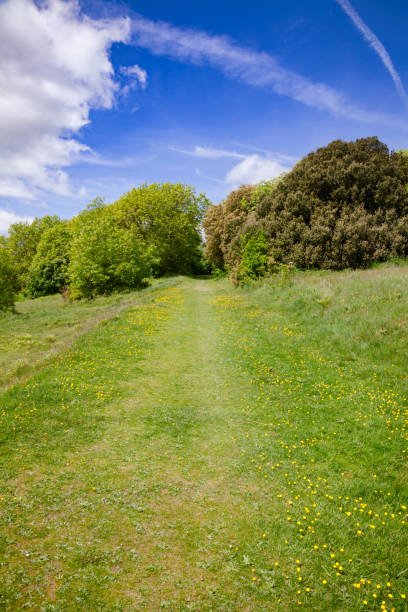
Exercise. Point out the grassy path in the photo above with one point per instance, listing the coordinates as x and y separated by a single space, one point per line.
180 457
135 505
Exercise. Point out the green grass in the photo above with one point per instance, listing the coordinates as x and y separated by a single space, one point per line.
42 328
205 448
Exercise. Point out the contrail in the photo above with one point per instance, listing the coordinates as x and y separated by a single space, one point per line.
258 69
375 43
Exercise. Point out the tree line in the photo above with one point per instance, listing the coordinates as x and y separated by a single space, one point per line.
153 230
342 206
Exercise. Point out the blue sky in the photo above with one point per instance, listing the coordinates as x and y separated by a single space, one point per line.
99 97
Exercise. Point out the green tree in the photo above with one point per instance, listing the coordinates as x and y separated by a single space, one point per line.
167 216
23 239
48 272
105 257
8 278
345 205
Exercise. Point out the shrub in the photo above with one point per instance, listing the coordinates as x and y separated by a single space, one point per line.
345 205
225 223
213 228
254 258
235 213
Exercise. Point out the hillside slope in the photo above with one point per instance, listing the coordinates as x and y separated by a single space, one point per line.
209 448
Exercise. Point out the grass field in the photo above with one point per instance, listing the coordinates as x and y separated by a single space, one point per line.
199 447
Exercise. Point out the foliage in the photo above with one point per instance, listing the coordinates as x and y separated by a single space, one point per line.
254 258
8 279
261 189
48 272
225 223
223 226
344 205
213 227
154 229
105 257
167 216
235 213
23 239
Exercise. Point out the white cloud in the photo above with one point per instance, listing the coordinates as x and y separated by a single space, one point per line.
54 68
252 67
254 169
250 170
14 188
8 218
137 75
375 43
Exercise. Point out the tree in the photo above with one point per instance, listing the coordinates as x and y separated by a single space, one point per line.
345 205
213 228
48 272
225 224
105 257
8 278
236 212
167 216
23 239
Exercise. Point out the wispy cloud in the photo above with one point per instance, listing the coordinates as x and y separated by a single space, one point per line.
282 157
375 43
252 67
209 178
209 153
137 76
91 157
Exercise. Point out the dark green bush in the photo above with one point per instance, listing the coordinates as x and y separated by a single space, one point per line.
345 205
